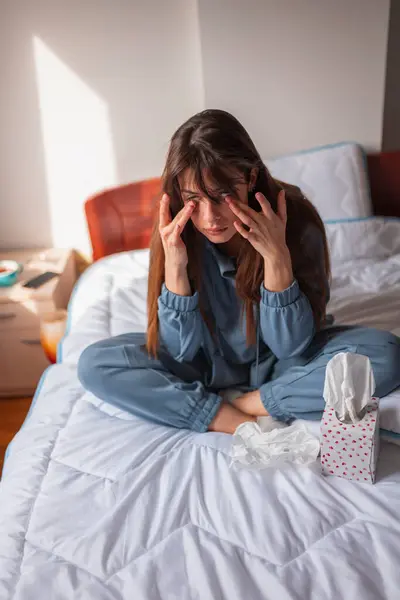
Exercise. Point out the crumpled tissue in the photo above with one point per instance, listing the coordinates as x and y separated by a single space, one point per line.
270 443
350 423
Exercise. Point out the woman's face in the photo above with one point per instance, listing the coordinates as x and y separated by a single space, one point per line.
214 221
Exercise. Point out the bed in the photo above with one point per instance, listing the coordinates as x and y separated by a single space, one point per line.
97 504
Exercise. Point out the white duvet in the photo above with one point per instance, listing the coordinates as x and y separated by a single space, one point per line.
96 504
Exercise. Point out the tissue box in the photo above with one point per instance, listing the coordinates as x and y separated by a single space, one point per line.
351 450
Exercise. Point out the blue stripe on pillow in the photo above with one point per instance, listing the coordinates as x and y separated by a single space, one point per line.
356 219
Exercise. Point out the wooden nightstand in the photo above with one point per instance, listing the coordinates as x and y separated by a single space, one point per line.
22 360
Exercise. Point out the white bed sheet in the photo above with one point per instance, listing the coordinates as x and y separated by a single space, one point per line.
97 504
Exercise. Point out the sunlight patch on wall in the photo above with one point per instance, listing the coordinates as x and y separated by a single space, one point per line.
78 147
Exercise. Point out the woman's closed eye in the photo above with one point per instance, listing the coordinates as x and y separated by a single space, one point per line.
194 199
217 193
222 194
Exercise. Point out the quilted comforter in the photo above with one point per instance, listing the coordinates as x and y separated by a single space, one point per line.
97 504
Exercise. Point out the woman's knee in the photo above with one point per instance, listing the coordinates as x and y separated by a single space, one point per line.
381 337
351 339
390 349
98 359
381 343
383 351
91 365
394 357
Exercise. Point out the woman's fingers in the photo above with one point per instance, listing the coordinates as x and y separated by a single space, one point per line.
243 232
282 210
180 219
265 205
242 211
175 235
184 215
165 214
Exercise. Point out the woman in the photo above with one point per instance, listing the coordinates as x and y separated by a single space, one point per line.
237 294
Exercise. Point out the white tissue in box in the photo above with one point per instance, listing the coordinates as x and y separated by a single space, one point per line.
350 450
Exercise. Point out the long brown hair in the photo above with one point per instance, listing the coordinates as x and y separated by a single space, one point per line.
213 140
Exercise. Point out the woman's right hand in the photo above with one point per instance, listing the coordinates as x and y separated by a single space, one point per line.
176 256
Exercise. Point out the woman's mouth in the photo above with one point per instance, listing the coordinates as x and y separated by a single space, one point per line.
216 231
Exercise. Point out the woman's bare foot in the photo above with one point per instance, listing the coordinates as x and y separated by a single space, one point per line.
228 419
250 403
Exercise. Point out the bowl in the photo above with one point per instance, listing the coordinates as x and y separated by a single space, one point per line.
9 271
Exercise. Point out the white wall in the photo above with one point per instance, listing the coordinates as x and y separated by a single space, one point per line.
90 95
297 73
92 91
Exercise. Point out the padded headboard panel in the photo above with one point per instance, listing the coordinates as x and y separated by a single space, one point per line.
121 218
384 178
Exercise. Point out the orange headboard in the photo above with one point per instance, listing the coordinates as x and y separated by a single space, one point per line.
384 179
121 218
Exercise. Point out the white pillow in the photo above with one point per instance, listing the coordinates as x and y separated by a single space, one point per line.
333 177
369 238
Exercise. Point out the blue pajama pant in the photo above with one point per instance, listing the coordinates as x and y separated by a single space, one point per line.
119 371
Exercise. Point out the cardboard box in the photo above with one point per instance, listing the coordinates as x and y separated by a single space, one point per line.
351 450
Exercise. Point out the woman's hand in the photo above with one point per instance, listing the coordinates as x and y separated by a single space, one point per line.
267 234
170 232
176 257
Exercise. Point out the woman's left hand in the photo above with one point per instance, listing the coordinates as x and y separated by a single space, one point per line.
267 234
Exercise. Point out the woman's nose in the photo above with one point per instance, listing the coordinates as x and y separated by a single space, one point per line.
211 212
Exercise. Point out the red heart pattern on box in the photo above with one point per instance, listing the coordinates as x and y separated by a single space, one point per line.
350 450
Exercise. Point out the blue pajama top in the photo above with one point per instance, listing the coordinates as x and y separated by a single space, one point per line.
285 323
